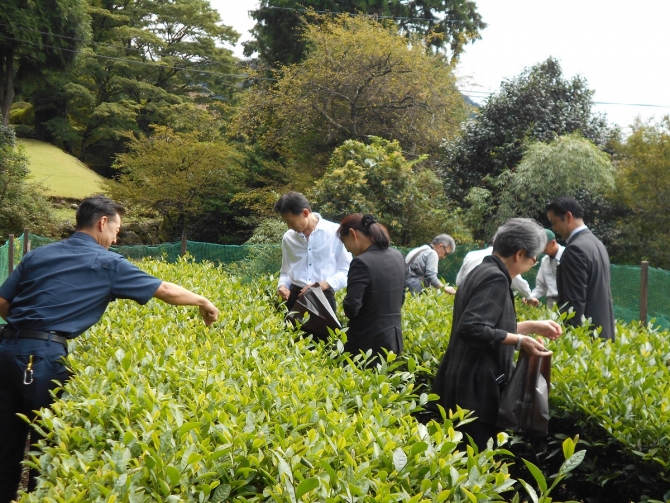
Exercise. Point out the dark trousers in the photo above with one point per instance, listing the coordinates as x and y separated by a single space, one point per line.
480 433
295 291
19 395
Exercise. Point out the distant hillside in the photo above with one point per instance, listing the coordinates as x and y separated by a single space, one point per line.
62 175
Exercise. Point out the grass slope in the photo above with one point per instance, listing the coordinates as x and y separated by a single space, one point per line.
61 174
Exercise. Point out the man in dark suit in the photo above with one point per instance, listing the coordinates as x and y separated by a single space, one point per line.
583 276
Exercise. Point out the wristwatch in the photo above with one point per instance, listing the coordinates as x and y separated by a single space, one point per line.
518 342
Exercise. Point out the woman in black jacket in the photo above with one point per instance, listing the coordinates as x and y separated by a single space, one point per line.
485 333
375 287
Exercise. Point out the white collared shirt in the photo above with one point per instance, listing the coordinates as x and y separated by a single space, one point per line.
474 258
319 257
545 284
575 232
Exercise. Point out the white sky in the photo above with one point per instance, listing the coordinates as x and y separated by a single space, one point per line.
621 48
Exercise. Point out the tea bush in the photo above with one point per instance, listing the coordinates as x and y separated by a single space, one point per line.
162 408
614 395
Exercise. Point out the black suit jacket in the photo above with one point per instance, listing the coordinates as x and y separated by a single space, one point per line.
583 279
375 294
483 316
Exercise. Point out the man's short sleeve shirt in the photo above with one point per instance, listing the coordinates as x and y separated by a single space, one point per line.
66 286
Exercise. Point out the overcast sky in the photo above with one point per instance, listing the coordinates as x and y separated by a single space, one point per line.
621 48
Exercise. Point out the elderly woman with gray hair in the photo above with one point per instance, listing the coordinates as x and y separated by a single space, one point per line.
485 333
421 264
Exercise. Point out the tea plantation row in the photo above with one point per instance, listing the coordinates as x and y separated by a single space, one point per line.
163 409
614 395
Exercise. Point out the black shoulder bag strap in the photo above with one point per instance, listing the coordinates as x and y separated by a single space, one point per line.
409 264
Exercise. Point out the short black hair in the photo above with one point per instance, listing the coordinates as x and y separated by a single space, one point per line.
92 209
562 204
292 202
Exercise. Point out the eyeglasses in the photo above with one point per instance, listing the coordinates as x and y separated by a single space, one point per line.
534 259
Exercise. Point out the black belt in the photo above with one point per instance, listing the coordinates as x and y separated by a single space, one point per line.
32 334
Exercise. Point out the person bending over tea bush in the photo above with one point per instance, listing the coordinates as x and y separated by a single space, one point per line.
57 292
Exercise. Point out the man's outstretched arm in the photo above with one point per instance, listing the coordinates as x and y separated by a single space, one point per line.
180 296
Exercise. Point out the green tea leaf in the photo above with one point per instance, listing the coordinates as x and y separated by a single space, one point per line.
537 475
306 486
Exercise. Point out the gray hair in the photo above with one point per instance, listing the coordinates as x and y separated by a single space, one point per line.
446 240
520 234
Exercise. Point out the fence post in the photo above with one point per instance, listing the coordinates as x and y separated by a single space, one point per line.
10 253
481 245
26 241
644 290
183 244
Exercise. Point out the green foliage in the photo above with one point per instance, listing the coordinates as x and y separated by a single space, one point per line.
447 23
159 59
538 105
614 395
22 204
175 175
22 113
269 231
643 178
37 39
572 460
173 411
359 78
566 165
377 179
619 389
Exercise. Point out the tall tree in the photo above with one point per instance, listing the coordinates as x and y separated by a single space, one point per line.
22 204
570 164
538 105
146 60
37 37
359 78
643 178
175 176
279 23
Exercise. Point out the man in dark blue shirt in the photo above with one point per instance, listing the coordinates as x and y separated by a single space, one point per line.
56 293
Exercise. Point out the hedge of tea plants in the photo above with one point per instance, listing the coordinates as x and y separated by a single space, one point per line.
616 396
162 408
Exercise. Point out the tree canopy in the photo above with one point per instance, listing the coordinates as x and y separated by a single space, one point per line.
175 176
538 105
279 23
148 61
359 78
21 204
377 179
36 38
643 178
567 165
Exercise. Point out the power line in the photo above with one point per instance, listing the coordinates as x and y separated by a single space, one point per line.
486 95
466 92
126 60
629 104
353 14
